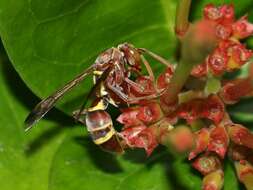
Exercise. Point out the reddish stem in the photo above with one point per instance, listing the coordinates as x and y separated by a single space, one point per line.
182 22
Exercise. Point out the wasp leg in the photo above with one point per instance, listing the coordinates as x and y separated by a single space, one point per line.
131 100
148 68
79 116
155 56
150 73
140 89
137 86
134 70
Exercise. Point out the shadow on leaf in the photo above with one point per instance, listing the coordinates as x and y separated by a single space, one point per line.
103 160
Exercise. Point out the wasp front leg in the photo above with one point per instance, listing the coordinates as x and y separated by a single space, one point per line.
148 68
144 86
151 76
131 100
155 56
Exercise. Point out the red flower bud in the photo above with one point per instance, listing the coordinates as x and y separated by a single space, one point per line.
228 13
232 91
181 139
128 117
241 135
242 28
199 70
201 142
213 181
145 86
213 109
206 164
238 55
164 78
219 141
228 56
217 61
190 110
131 132
149 113
245 173
223 31
140 137
223 14
212 13
166 104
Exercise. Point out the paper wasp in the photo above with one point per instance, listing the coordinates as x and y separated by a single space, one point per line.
111 73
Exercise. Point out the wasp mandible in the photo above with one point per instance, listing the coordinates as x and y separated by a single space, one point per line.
111 73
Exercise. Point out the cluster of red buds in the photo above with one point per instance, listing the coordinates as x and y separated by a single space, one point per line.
197 123
230 53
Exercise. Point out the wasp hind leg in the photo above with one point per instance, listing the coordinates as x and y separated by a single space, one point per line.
80 117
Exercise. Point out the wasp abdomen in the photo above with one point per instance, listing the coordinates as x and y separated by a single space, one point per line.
100 126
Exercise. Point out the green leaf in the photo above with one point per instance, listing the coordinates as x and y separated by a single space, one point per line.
243 110
230 178
80 163
25 159
50 42
185 175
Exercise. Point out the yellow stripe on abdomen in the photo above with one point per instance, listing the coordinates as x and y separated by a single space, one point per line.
102 140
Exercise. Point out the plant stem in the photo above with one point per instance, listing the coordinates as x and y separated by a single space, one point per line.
199 41
182 21
178 80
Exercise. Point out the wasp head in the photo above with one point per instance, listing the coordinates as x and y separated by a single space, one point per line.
131 55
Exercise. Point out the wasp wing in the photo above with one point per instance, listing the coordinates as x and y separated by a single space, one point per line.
92 92
45 105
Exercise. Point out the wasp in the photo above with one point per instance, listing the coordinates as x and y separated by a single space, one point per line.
111 73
